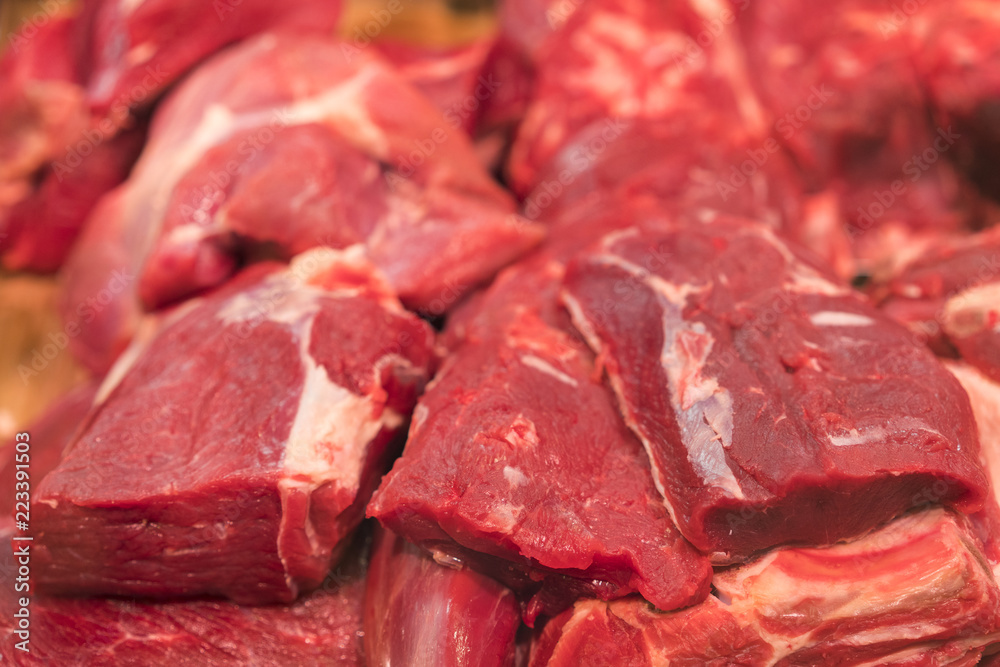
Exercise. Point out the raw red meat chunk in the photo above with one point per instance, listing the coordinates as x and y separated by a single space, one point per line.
282 144
420 612
322 628
958 60
776 406
55 159
915 592
984 394
137 49
233 453
949 296
839 83
519 465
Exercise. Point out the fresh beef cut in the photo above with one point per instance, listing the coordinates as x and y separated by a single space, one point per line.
518 464
282 144
420 612
958 60
135 52
234 452
839 82
617 63
55 159
984 395
915 592
949 297
321 628
776 406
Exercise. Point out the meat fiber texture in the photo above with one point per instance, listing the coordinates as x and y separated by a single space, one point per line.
420 612
321 628
233 453
49 435
840 83
279 145
776 406
518 464
55 159
949 297
916 592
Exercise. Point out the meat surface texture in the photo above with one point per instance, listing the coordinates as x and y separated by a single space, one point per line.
420 612
916 592
233 453
284 144
767 395
949 297
518 464
321 628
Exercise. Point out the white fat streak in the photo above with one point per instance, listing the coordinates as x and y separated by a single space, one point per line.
329 438
804 278
832 318
273 302
704 409
543 366
874 433
752 586
163 167
584 327
129 6
967 312
514 476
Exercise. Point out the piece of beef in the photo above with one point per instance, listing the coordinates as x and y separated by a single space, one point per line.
420 612
138 49
233 454
915 592
283 144
841 86
958 60
519 465
984 395
321 628
766 394
452 78
55 159
631 62
949 297
49 435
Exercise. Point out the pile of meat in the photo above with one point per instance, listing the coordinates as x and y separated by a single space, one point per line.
642 333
